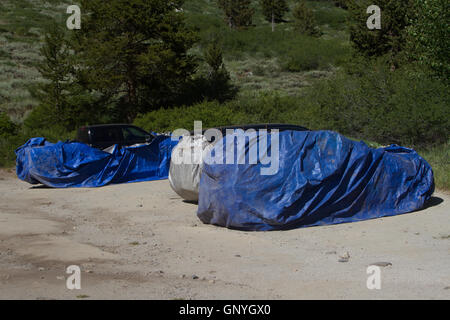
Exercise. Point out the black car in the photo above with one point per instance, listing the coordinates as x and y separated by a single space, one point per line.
262 126
105 135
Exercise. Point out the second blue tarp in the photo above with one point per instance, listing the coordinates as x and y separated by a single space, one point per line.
323 178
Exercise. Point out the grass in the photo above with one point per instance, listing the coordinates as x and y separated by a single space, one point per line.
21 25
257 59
260 60
439 159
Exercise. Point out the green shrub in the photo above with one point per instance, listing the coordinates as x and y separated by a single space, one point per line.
211 113
7 146
13 136
391 38
305 21
328 14
388 107
7 127
429 35
315 54
263 108
439 159
238 13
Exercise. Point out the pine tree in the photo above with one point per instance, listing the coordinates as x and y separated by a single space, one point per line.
391 38
341 3
238 13
219 86
7 127
63 101
304 19
274 10
135 53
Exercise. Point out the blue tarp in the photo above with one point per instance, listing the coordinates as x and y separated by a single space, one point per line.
323 178
74 164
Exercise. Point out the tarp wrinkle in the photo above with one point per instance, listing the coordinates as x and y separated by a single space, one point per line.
323 178
74 164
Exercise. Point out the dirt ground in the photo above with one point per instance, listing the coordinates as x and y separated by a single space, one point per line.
141 241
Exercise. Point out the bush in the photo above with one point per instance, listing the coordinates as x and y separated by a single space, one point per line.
211 113
429 35
305 22
315 54
391 38
438 157
327 14
238 13
245 110
377 105
8 140
341 3
7 127
13 136
388 107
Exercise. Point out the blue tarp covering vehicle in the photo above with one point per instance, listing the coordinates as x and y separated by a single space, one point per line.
74 164
322 178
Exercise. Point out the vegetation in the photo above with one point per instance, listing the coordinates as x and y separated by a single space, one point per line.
63 102
304 19
391 38
135 53
220 62
429 35
274 10
238 13
218 84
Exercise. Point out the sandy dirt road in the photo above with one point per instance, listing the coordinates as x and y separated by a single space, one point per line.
141 241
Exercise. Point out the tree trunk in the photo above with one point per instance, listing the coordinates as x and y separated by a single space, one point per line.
132 100
273 22
230 22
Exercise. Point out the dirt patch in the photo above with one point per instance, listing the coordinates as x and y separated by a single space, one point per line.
141 241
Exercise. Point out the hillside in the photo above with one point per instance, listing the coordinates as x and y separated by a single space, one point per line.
257 59
319 82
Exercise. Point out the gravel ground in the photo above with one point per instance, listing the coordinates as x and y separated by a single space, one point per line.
141 241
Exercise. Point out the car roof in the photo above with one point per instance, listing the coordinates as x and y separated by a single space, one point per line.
110 125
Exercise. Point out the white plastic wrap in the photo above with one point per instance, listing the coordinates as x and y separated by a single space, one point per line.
186 166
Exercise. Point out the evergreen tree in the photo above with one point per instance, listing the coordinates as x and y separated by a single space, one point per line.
238 13
304 19
341 3
135 53
219 85
391 38
7 127
274 10
62 101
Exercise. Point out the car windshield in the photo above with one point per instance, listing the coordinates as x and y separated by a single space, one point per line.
132 133
107 134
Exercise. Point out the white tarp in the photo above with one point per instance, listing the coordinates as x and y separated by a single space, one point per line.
186 165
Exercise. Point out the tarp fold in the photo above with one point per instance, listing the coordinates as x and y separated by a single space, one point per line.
323 178
74 164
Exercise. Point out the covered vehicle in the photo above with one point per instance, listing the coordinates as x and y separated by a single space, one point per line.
105 135
321 178
184 176
75 164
